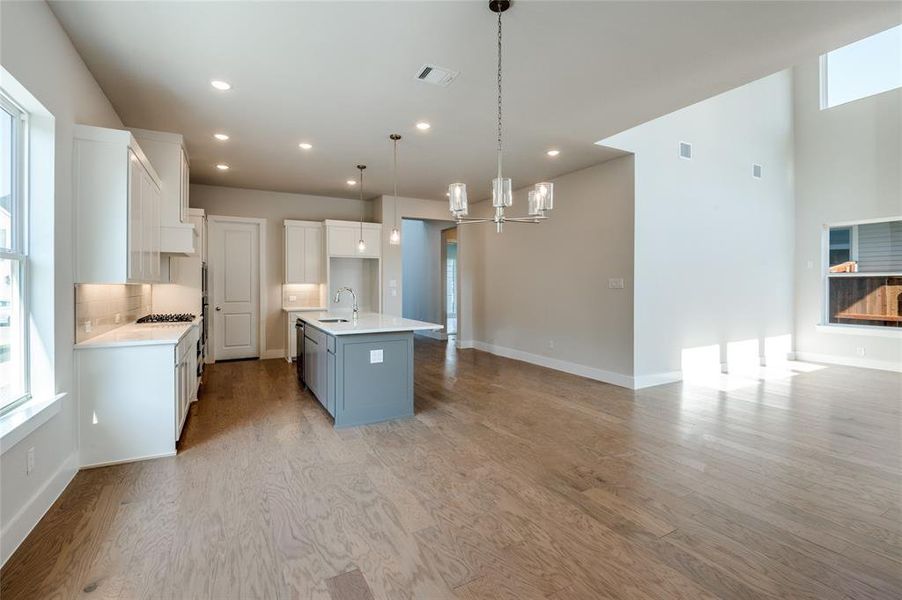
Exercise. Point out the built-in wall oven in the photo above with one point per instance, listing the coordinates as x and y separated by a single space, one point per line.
299 358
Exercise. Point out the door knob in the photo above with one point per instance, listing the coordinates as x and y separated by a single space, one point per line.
218 308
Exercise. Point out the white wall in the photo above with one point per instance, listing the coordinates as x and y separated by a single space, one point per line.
713 262
384 211
540 292
275 207
848 163
37 52
422 269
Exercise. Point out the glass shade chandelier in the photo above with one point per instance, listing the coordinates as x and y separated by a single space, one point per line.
540 199
395 238
361 245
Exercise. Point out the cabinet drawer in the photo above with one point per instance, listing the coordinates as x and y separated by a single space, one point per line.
316 335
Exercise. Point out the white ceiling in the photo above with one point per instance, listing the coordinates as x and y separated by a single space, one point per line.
340 75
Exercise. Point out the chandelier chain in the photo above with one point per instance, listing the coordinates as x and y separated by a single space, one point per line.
499 95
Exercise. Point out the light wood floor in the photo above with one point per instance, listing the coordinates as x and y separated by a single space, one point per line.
512 481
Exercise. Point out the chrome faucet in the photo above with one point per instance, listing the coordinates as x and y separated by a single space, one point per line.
337 298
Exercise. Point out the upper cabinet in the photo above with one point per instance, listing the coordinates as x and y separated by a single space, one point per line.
342 238
303 252
166 152
116 208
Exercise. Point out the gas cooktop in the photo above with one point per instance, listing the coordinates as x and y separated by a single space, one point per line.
167 318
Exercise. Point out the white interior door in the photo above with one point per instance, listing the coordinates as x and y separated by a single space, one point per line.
234 249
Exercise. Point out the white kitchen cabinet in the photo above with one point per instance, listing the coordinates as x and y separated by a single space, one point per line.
133 400
116 208
342 238
198 219
303 252
166 152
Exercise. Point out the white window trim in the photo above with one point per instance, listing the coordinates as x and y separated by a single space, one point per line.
825 326
46 400
19 237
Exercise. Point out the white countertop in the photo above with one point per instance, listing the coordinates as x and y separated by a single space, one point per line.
146 334
291 309
366 323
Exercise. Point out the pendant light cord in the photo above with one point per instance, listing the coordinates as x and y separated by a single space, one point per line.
361 200
499 96
396 180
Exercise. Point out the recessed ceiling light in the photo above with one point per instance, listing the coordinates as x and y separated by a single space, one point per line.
351 182
221 136
222 167
305 146
221 85
553 152
423 125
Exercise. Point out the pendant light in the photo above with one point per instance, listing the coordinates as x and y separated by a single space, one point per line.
540 198
395 238
361 245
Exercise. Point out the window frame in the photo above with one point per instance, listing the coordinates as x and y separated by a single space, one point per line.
18 250
824 73
825 273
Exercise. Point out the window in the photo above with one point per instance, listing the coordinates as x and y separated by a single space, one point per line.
864 274
861 69
13 263
840 245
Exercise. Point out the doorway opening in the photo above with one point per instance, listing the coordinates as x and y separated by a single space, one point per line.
449 293
428 289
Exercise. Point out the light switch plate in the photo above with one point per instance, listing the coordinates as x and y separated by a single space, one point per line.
292 298
375 356
615 284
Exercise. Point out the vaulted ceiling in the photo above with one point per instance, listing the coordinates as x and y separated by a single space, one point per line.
341 76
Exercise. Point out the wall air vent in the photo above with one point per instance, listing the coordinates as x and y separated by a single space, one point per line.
685 150
436 75
756 171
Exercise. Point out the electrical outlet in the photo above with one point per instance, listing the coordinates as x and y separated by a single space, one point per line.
394 292
392 283
88 327
615 284
810 264
375 356
551 344
118 317
860 351
292 298
29 461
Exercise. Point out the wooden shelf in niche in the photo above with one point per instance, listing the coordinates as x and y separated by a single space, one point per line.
867 300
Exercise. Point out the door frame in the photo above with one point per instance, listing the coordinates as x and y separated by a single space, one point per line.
444 241
261 276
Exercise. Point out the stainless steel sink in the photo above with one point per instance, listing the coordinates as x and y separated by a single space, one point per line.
336 320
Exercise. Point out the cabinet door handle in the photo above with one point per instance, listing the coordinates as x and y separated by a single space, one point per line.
218 308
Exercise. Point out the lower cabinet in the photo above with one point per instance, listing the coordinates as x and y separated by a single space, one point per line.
133 400
319 366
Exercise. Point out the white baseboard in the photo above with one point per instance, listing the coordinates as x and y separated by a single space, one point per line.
466 344
849 361
18 528
644 381
278 353
558 365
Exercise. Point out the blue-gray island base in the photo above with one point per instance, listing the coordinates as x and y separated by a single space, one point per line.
360 377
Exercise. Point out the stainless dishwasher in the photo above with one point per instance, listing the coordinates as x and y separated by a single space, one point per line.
299 358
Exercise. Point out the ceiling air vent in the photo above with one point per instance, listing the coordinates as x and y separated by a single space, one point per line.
436 75
685 150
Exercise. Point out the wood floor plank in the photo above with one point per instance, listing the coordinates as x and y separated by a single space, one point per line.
511 481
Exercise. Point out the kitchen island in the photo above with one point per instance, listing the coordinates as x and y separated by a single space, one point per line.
360 370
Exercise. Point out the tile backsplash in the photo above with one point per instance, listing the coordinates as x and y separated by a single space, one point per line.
303 294
100 308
